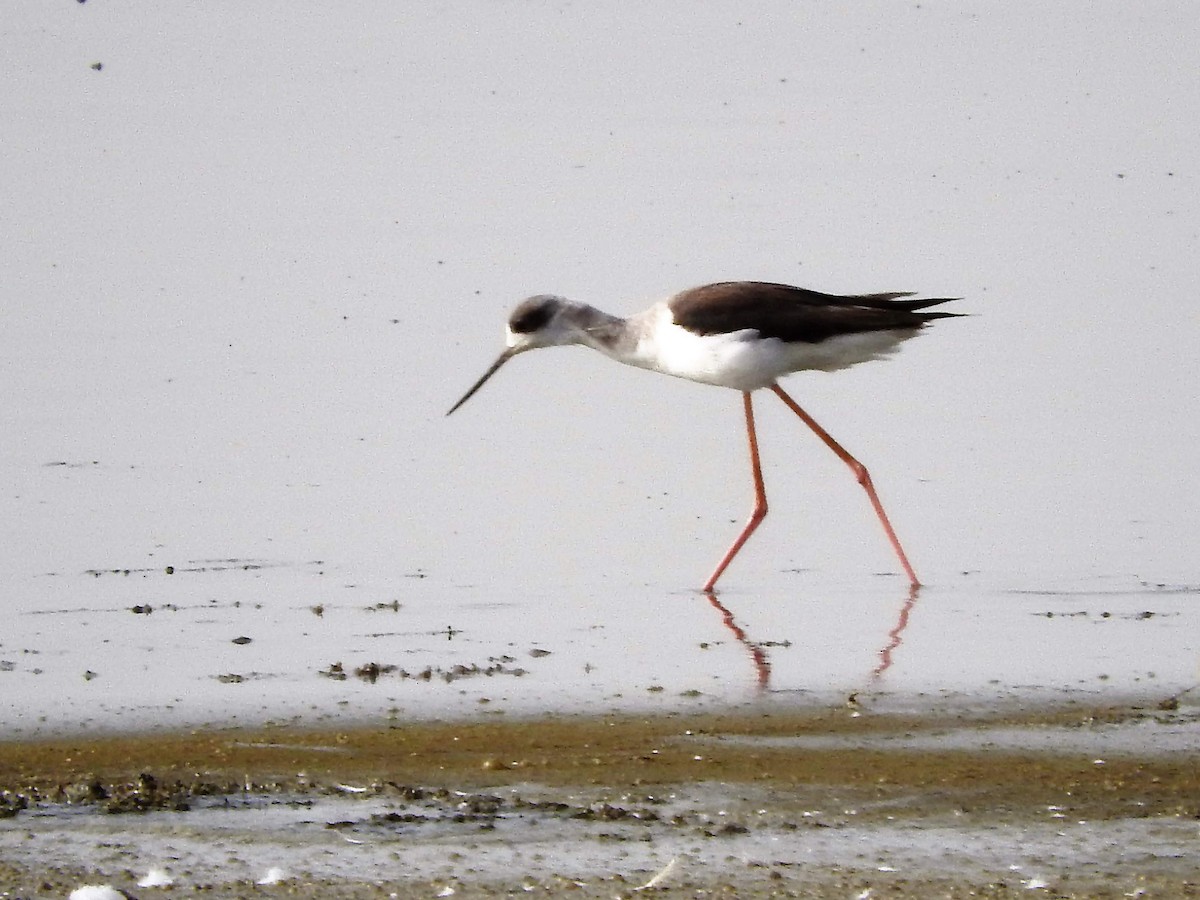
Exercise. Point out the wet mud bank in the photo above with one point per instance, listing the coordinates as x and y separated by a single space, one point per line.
1066 802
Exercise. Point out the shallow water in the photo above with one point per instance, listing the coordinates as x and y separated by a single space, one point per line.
247 641
231 340
245 279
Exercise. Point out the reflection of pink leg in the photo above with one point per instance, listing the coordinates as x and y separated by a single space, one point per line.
760 498
762 666
860 473
896 634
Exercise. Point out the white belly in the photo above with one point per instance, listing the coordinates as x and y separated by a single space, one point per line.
745 362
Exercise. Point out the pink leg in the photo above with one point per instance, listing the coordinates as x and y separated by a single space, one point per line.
860 473
760 498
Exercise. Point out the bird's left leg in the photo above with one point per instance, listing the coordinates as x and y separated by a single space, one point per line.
760 498
860 473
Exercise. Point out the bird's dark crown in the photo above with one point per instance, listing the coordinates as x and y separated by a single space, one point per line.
532 314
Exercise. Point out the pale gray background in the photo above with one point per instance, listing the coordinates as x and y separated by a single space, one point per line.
250 262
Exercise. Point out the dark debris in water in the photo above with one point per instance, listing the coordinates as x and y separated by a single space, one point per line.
371 672
1141 616
413 808
145 793
392 606
422 809
233 564
240 677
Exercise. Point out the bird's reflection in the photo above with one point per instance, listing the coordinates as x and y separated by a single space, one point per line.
758 652
762 666
895 636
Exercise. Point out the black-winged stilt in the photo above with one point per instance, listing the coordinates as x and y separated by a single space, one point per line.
743 335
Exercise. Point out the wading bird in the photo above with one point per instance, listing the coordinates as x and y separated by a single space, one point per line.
744 335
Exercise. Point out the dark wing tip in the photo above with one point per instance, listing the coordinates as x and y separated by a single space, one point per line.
926 303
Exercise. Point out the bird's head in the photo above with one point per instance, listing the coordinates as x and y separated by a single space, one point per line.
541 321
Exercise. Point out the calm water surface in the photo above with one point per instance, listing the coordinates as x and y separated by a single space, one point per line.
240 297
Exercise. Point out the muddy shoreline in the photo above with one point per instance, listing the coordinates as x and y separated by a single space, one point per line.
735 794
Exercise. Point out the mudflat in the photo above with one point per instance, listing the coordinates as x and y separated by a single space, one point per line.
1073 801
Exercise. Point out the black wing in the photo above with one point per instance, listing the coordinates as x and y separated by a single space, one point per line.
795 314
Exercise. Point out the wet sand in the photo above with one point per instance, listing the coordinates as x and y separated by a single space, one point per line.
1074 801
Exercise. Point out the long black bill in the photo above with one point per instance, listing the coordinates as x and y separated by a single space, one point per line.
503 358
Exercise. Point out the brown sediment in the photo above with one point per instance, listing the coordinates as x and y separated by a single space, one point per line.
619 751
762 751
